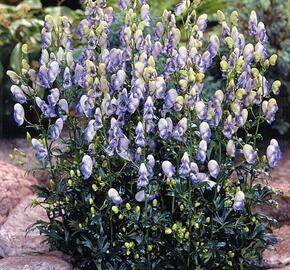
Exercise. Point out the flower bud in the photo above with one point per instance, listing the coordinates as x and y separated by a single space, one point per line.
273 59
224 66
276 87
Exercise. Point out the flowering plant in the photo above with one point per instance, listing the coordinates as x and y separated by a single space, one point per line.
147 172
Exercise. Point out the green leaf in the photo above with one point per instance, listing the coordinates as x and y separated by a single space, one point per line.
15 58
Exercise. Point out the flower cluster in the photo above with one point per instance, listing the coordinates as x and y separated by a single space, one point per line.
141 132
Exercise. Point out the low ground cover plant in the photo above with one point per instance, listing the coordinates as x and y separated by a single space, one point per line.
148 171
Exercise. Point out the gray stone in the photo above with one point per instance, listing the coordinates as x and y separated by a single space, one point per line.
13 238
34 263
14 185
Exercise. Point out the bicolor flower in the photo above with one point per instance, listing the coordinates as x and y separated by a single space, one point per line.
213 168
239 201
201 110
250 154
87 167
184 168
53 71
180 129
46 109
168 169
56 129
273 153
140 137
114 196
253 23
201 152
140 196
63 109
205 132
67 80
142 180
150 164
40 150
165 127
53 97
18 114
90 131
17 92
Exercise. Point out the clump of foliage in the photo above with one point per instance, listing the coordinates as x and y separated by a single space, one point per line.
148 170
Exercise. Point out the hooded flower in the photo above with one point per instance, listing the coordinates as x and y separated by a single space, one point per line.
142 176
249 154
168 169
180 129
184 169
63 109
114 196
201 152
140 196
40 150
56 129
205 132
213 168
87 167
18 114
140 137
273 153
239 201
165 128
17 92
90 131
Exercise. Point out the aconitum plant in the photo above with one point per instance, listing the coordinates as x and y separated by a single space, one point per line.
147 171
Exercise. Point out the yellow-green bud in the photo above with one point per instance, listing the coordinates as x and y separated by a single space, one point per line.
186 235
149 248
115 209
154 203
197 204
137 209
128 206
246 229
220 16
136 256
78 173
266 64
69 183
231 254
234 17
71 173
121 216
174 227
168 231
94 187
276 87
196 225
230 42
181 207
207 220
199 77
224 66
91 201
273 59
93 211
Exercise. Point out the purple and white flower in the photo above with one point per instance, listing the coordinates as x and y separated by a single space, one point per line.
87 167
